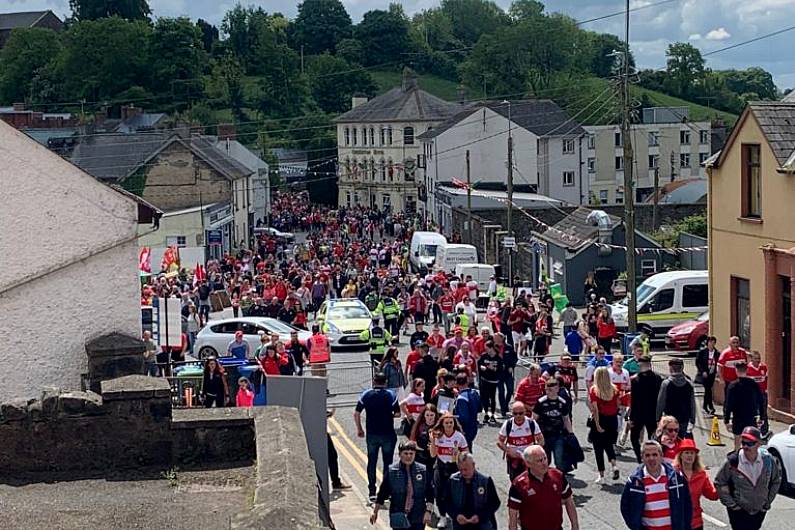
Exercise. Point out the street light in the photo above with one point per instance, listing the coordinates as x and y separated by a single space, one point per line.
510 194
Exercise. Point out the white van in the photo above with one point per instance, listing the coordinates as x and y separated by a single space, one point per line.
452 254
665 300
480 272
422 252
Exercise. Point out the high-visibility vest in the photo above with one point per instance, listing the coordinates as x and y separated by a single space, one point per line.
371 301
463 320
390 308
501 293
319 349
377 340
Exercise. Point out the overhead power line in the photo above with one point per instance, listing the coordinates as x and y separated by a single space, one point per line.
749 41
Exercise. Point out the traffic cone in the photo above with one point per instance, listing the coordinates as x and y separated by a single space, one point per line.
714 434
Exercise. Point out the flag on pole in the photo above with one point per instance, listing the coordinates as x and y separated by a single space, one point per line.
170 259
145 259
199 274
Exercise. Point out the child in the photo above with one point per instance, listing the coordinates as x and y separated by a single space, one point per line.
245 396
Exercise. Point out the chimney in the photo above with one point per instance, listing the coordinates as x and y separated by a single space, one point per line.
461 93
409 80
358 100
130 111
19 107
226 131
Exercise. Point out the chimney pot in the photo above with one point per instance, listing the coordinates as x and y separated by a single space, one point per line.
226 131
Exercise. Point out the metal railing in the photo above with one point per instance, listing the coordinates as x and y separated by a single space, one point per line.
347 380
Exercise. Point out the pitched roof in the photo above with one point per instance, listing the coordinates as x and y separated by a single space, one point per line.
574 231
145 120
542 117
404 103
789 97
20 20
777 121
685 191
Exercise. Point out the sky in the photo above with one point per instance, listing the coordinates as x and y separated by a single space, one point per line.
707 24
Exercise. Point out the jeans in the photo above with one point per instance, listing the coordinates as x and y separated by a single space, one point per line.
553 445
635 431
204 311
742 520
333 462
709 382
488 392
437 313
150 368
763 415
505 390
379 442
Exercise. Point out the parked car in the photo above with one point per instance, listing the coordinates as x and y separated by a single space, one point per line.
273 232
214 338
782 447
343 320
689 336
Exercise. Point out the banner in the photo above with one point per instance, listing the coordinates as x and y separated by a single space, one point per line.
145 259
170 261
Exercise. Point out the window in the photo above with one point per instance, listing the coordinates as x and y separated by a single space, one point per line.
661 301
568 146
383 132
591 165
654 161
684 159
355 136
654 138
591 141
741 309
684 137
702 157
179 241
619 163
619 196
408 135
364 136
389 135
752 181
568 178
372 136
390 171
348 198
703 137
648 267
617 139
603 196
347 135
382 165
387 200
372 169
696 295
354 168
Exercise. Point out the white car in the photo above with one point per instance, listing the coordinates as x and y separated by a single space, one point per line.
214 338
278 234
782 447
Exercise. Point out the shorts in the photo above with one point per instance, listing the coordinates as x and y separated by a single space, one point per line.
518 337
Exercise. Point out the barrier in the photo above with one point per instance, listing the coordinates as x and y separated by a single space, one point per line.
347 380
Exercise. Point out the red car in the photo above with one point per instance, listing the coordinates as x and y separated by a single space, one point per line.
689 336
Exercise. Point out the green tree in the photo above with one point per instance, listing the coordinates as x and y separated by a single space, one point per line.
226 84
26 56
334 82
600 47
350 50
96 9
101 58
177 56
320 25
525 10
472 19
385 36
685 68
209 34
499 63
751 80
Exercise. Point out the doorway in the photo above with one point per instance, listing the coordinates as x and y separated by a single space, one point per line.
786 336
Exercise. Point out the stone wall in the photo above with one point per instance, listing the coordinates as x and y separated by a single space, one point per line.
213 435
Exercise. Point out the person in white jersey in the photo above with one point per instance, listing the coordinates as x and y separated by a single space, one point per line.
516 434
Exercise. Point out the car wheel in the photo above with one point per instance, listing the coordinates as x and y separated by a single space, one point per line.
207 351
785 486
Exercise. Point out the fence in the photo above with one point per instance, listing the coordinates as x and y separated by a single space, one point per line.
347 380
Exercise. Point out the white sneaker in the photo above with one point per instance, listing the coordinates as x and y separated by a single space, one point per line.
599 479
442 522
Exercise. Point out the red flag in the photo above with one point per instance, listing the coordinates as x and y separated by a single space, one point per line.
170 257
145 259
460 184
199 274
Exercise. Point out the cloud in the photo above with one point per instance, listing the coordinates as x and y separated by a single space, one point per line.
695 36
718 34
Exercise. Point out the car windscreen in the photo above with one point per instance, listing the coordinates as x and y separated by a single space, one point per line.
278 326
428 251
342 313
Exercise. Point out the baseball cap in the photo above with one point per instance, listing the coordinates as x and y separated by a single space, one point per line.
751 434
238 333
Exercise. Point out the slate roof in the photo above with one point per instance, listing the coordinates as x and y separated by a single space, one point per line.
144 120
20 20
790 98
539 116
404 103
578 232
777 120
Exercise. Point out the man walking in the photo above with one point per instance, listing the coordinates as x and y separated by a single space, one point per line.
677 398
742 404
656 496
729 358
470 497
757 370
381 406
553 414
645 387
707 366
748 482
407 487
467 407
517 434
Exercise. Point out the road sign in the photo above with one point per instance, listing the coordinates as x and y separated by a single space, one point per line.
509 242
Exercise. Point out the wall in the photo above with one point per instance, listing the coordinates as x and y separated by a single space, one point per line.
556 162
186 223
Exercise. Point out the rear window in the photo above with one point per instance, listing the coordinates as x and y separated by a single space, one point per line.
695 295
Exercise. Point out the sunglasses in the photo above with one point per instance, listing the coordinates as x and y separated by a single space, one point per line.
748 443
672 430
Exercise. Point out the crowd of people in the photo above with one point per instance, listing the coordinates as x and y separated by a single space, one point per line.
460 377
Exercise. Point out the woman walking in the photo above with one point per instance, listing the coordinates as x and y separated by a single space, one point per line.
447 442
688 462
421 435
215 389
668 436
603 400
393 370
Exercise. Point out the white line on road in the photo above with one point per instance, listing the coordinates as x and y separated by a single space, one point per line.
716 522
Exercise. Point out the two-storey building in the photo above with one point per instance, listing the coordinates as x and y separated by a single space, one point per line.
377 145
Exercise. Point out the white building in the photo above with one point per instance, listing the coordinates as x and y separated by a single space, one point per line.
547 151
377 145
665 143
69 269
254 192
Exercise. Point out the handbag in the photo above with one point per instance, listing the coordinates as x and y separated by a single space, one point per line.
399 520
591 424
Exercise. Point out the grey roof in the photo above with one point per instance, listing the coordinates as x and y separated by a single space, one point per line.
145 120
401 104
218 159
573 232
20 20
777 121
43 136
789 97
542 117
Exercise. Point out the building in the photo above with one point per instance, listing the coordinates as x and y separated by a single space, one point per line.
666 143
29 19
751 243
172 171
547 151
377 146
70 265
294 164
581 243
21 117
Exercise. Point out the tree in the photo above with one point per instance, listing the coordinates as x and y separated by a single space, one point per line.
103 57
751 80
209 34
320 25
177 56
601 46
525 9
473 18
226 84
499 63
350 50
334 83
96 9
385 36
685 67
26 55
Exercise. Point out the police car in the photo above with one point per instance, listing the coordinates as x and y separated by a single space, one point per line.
343 320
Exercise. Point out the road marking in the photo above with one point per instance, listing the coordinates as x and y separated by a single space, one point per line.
346 439
716 522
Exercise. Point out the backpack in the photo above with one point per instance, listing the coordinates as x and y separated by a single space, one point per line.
509 425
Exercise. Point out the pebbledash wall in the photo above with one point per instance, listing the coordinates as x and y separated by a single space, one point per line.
68 266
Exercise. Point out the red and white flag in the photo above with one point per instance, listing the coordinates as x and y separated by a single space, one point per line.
170 257
145 259
199 274
460 184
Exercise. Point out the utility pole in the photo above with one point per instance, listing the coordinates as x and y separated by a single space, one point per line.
510 197
656 196
629 189
469 203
